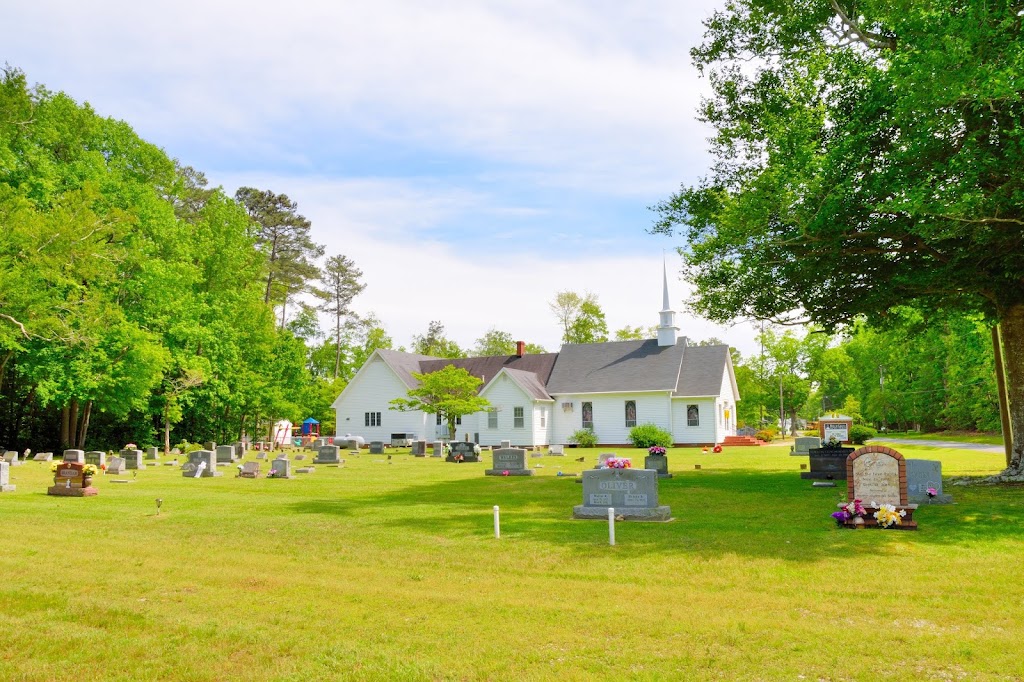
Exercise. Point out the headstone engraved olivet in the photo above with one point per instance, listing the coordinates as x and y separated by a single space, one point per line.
923 474
133 459
327 454
5 477
117 466
877 475
376 447
509 462
632 492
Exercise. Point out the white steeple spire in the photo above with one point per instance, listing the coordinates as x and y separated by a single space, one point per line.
667 329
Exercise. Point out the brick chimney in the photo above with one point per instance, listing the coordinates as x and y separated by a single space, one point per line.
520 349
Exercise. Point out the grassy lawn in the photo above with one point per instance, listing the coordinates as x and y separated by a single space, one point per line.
392 572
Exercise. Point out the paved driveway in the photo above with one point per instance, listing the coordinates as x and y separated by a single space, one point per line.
980 447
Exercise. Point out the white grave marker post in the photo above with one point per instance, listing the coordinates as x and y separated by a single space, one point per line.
497 523
611 525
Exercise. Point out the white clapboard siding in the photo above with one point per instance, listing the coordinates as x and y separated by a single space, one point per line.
371 391
728 405
706 432
504 394
540 433
609 415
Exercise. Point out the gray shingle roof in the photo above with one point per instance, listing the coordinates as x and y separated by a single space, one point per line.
404 364
487 367
702 370
529 382
616 367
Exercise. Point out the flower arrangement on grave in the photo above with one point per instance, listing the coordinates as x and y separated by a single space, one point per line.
618 463
887 516
272 473
849 511
656 450
931 492
832 443
55 465
90 470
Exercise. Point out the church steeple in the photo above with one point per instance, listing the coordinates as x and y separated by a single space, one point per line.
667 329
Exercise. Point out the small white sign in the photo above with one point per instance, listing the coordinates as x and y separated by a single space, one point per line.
841 432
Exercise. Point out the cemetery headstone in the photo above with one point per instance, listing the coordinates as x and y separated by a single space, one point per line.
556 450
827 463
241 448
877 475
250 470
72 480
97 457
280 468
602 458
506 444
133 459
74 456
225 454
5 478
658 463
376 447
305 470
419 448
327 454
261 455
201 464
803 445
300 457
632 492
924 475
463 452
117 466
152 453
509 462
11 457
210 445
438 450
43 457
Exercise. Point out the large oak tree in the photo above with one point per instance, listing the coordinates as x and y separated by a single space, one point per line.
867 154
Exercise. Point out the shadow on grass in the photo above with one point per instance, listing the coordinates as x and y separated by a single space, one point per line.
739 511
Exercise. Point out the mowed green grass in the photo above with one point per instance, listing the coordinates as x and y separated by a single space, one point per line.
381 571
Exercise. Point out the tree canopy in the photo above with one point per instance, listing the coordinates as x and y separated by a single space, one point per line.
867 155
450 392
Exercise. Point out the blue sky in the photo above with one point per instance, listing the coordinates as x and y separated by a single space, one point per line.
473 158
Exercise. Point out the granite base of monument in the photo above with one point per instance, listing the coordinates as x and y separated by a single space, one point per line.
64 491
633 493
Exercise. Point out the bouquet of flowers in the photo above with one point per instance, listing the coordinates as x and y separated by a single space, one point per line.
849 511
90 470
887 516
617 463
656 450
931 492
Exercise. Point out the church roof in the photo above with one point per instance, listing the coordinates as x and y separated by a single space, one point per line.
617 367
701 370
529 382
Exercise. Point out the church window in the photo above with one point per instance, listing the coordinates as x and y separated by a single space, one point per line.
492 419
517 418
692 415
588 415
630 414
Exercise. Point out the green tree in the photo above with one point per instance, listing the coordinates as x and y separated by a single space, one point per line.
494 342
450 392
340 278
435 343
872 158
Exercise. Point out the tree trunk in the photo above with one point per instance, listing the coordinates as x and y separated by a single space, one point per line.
83 430
167 427
337 345
241 428
1004 411
1011 326
65 438
73 425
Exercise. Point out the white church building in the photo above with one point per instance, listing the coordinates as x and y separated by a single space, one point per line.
541 399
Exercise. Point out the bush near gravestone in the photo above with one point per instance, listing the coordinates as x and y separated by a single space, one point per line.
764 435
649 435
585 438
861 434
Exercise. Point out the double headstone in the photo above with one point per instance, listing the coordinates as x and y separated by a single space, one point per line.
116 466
96 457
5 477
509 462
633 493
133 459
201 464
327 454
463 452
922 475
376 447
77 456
